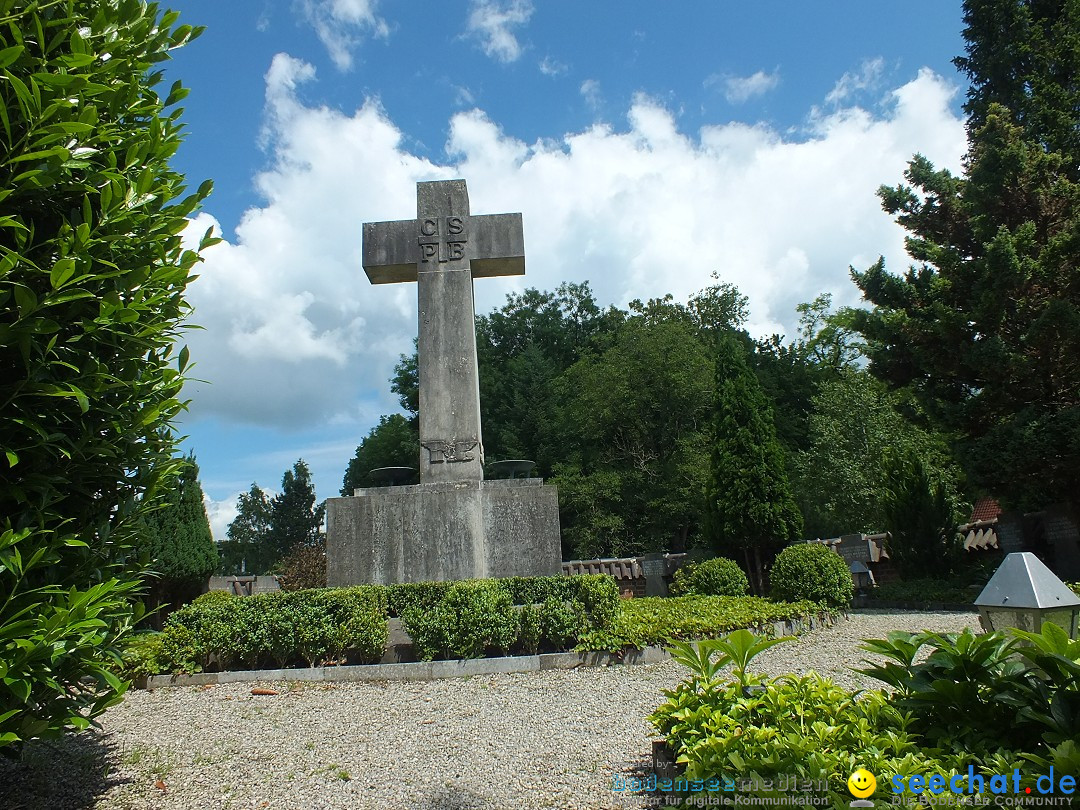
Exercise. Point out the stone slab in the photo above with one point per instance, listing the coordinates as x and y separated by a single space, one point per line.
444 531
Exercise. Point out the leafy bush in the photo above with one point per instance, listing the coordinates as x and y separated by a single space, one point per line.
141 655
654 620
716 577
92 279
303 568
475 615
812 572
973 686
530 632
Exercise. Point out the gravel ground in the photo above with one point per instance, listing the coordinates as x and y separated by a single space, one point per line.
550 739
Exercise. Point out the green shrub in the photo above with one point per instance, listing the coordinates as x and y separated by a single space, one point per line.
562 623
973 686
409 596
202 633
716 577
141 655
530 632
812 572
654 620
474 616
792 726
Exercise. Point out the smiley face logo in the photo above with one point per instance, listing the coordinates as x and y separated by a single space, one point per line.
862 783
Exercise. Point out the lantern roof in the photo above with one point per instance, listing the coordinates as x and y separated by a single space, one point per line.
1023 581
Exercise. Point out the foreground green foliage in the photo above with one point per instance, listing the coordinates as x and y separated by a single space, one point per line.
92 278
812 572
943 715
716 577
652 621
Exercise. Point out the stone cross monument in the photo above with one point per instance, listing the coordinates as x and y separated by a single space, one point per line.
453 524
443 250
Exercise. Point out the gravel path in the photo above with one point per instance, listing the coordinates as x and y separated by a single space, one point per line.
549 739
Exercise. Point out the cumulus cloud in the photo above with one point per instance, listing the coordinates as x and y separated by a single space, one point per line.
868 77
294 335
341 25
493 22
738 89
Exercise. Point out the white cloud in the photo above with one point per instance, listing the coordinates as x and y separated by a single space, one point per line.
221 514
296 336
738 89
552 67
868 77
590 91
341 25
492 22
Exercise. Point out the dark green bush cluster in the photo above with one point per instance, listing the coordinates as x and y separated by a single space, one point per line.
228 632
650 621
813 572
942 715
472 618
716 577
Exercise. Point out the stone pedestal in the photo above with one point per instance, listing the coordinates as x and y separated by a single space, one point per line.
443 531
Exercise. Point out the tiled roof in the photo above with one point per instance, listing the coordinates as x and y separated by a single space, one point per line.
986 508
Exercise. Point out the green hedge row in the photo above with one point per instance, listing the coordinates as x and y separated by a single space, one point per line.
349 625
276 629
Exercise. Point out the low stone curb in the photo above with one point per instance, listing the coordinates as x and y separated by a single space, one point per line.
417 670
432 670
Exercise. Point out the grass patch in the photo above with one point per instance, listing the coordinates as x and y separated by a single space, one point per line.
659 621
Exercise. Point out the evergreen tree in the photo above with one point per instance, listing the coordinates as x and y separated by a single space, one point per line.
295 519
985 330
246 551
749 506
179 542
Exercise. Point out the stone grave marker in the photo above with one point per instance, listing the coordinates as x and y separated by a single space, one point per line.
453 524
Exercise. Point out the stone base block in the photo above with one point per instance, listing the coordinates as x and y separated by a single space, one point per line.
443 531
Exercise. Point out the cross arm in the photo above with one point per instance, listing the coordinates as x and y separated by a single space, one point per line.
497 245
390 251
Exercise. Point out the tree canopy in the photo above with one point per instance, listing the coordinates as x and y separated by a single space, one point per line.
984 330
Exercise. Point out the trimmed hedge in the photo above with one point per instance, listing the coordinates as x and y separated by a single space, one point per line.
662 620
466 619
472 618
325 624
813 572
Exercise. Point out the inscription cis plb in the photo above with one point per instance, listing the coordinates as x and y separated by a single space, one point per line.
442 239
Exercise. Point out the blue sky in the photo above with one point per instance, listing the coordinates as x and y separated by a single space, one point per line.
647 145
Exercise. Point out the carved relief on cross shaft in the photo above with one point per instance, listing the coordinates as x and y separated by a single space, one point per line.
449 450
442 239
